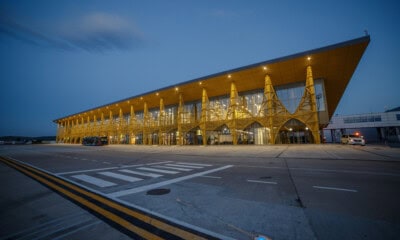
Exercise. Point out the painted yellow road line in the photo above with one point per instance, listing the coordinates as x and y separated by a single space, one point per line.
182 233
111 216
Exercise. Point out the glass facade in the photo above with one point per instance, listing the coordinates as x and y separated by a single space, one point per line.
252 102
218 108
160 125
291 95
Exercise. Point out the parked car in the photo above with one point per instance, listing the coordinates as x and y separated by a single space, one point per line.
353 140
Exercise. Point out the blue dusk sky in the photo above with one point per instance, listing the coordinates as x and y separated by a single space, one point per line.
62 57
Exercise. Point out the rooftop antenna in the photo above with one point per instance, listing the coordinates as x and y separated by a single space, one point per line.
366 32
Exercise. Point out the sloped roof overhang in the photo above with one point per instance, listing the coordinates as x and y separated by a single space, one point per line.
334 63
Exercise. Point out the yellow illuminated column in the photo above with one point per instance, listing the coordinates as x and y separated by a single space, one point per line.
83 129
132 114
204 108
270 114
102 126
314 120
110 126
121 124
161 122
76 127
179 120
145 123
233 110
132 124
88 127
67 131
70 130
95 130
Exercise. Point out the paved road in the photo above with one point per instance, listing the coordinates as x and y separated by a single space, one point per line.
281 191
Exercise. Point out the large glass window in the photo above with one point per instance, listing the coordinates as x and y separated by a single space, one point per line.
153 116
362 119
170 114
139 118
252 102
291 95
191 112
320 94
218 108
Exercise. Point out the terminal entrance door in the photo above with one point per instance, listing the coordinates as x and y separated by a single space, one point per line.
193 137
294 132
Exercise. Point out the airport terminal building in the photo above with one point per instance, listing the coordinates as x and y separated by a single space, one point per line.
284 100
380 128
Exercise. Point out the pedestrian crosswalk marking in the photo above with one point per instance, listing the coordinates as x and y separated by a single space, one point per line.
182 165
157 170
93 180
153 175
175 168
154 171
195 164
120 176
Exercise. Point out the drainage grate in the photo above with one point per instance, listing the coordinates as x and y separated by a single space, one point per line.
158 191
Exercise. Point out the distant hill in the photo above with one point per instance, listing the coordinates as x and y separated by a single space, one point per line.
23 139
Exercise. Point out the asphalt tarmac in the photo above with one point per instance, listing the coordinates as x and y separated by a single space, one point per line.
222 192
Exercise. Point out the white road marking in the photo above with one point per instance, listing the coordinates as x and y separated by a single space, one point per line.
156 185
175 168
211 177
179 222
110 168
182 165
149 164
196 164
337 189
157 170
121 176
96 169
258 181
153 175
93 180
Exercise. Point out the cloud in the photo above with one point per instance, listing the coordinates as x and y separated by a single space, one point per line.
11 28
102 32
94 32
